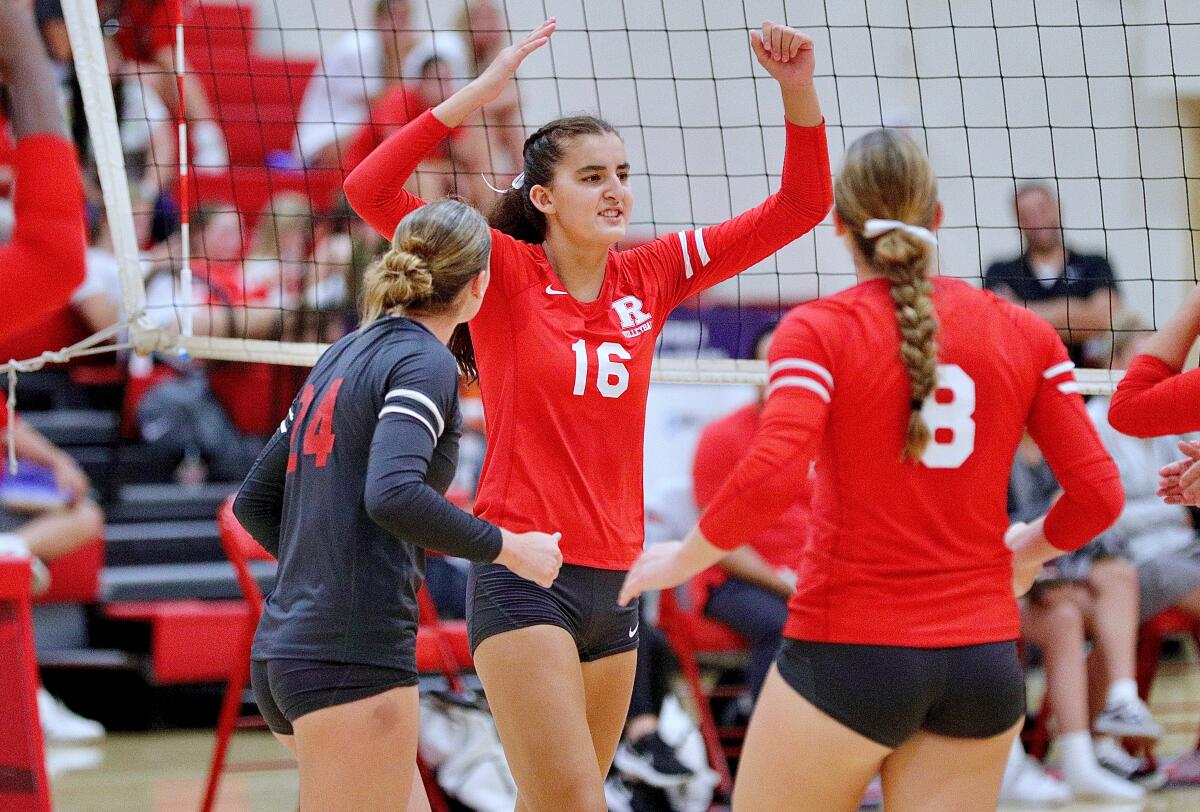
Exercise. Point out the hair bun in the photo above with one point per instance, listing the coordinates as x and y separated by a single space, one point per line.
409 275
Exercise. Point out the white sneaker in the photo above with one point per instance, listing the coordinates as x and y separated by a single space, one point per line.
1130 718
1114 758
1097 783
617 796
61 724
1029 784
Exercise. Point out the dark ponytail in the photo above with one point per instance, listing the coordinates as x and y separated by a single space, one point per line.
514 213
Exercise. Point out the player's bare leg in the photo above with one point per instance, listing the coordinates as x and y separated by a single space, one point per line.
542 722
932 773
418 801
608 683
359 756
288 741
797 759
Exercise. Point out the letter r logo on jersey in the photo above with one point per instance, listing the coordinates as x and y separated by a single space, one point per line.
629 309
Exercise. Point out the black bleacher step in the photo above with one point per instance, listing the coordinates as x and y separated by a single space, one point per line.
151 582
67 427
168 542
108 659
167 501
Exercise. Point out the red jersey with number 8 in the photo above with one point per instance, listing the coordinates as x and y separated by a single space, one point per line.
565 382
900 553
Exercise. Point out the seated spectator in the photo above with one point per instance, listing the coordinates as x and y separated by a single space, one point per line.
1156 537
1083 596
749 589
274 268
57 520
456 166
1077 293
145 35
360 67
479 34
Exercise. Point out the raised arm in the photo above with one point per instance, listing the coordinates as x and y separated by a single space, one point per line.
44 261
692 261
1153 398
375 189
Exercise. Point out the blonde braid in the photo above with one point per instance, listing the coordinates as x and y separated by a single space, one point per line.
918 350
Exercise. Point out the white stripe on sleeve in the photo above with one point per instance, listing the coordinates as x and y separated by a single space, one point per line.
1068 387
803 383
423 399
410 413
687 259
1058 369
800 363
700 247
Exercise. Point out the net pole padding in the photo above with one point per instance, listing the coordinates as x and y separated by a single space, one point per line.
95 85
665 370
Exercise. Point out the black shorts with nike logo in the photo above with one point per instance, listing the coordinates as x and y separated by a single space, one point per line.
582 600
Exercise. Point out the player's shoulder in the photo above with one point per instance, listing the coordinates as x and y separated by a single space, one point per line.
733 426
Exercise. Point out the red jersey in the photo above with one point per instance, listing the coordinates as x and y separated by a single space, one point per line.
722 444
43 263
1153 400
565 382
901 553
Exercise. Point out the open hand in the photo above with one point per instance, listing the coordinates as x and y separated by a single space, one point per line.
496 76
658 567
785 53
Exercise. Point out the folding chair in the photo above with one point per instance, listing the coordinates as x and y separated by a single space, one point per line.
1151 635
693 636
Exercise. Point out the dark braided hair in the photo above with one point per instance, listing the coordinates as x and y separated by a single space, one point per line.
514 213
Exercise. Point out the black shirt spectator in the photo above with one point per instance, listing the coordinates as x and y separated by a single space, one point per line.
1077 293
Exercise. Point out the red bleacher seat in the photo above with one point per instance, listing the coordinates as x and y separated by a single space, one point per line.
212 28
23 782
75 577
190 640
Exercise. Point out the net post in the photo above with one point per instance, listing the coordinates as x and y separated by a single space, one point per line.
95 85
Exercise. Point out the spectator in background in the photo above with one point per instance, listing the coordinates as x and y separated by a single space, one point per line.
1082 596
44 520
360 67
1077 293
1156 537
43 262
274 268
749 589
479 34
458 163
145 34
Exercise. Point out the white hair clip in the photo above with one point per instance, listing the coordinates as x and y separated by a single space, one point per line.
877 228
517 183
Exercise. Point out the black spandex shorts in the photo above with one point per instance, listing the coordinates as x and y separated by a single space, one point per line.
582 600
888 693
286 689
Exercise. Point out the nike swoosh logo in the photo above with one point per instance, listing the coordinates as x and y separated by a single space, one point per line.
633 631
550 289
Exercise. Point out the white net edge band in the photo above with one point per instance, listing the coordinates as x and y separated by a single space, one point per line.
666 370
95 84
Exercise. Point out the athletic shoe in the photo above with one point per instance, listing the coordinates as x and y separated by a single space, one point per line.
1114 758
61 724
1030 785
1184 770
617 796
651 760
1127 719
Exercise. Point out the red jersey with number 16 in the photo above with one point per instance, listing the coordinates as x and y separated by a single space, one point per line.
913 554
565 382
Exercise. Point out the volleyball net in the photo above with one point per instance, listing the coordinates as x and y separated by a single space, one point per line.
257 258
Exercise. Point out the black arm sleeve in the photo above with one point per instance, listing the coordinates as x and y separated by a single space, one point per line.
259 502
399 500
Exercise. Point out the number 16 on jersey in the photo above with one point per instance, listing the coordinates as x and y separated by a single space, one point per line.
612 378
